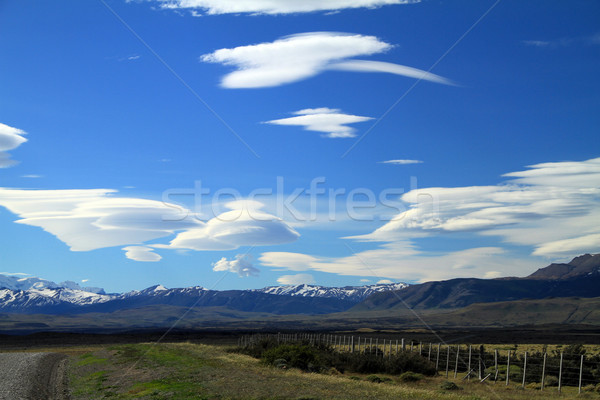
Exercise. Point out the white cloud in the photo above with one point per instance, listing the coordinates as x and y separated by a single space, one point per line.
10 139
332 122
365 280
274 7
525 211
245 225
298 57
384 282
91 219
32 176
401 262
141 253
85 280
241 265
297 279
401 162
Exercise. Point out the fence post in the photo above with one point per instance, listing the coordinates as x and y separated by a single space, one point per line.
495 365
352 345
469 366
421 348
402 344
508 369
370 345
580 373
411 346
396 346
447 361
376 345
543 371
429 356
456 365
560 372
524 370
437 360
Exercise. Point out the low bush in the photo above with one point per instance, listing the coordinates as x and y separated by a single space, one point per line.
409 376
449 386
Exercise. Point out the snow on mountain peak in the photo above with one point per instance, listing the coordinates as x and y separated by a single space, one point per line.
352 293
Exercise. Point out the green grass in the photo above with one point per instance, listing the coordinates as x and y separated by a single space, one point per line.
194 371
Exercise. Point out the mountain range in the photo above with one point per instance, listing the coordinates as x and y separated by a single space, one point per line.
34 295
559 293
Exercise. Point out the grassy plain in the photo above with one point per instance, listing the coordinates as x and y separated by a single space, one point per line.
198 371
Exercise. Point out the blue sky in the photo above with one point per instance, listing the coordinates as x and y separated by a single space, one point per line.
148 142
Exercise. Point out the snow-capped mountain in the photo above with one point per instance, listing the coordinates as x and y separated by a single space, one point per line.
351 293
31 282
34 295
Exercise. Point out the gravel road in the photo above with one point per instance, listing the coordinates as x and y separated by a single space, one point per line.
33 376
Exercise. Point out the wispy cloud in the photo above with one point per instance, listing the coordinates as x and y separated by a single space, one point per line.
401 162
298 279
241 265
589 40
332 122
302 56
32 176
10 139
274 7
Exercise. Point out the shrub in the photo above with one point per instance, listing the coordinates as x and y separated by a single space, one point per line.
449 386
374 379
409 376
354 378
300 356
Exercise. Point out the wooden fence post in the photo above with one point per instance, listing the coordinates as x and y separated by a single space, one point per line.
352 345
524 370
456 364
543 371
560 372
370 345
402 344
469 367
495 365
421 348
429 356
447 361
437 359
396 346
580 373
508 369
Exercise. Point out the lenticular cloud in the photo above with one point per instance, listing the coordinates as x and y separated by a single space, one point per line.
302 56
273 7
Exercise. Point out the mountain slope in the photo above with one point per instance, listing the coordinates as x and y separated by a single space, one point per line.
577 279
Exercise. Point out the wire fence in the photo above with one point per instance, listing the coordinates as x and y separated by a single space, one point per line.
541 370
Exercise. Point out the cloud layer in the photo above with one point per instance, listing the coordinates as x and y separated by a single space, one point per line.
332 122
92 219
213 7
552 209
298 57
10 139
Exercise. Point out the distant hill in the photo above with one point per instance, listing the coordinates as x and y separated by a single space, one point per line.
585 265
578 278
